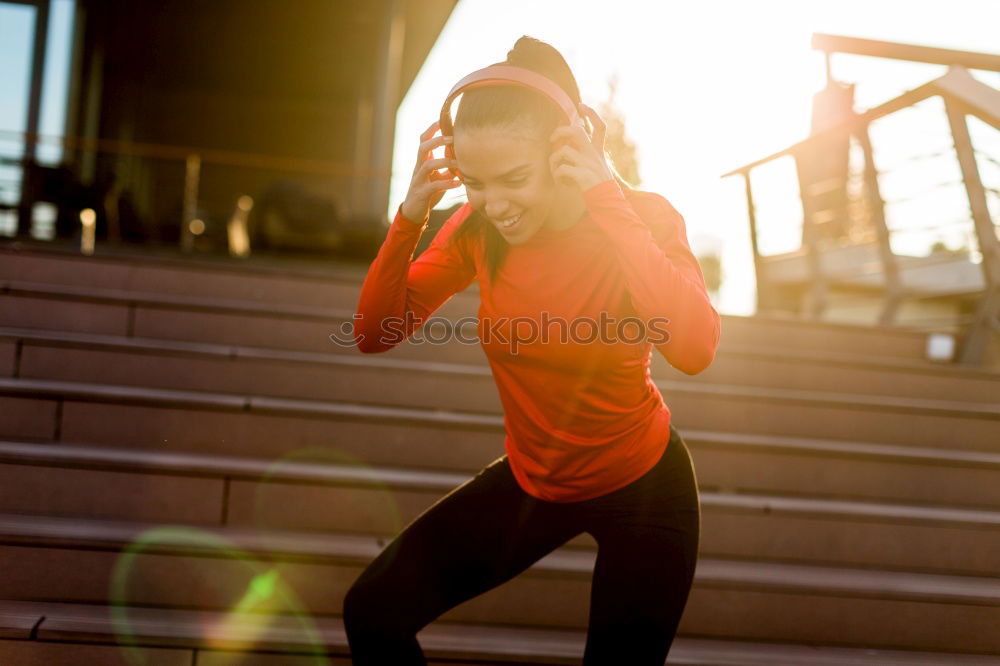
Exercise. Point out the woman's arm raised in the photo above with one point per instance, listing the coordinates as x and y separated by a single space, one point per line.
663 276
400 293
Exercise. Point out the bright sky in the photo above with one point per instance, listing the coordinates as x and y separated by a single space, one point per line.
704 86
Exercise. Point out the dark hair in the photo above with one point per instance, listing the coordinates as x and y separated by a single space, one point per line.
506 106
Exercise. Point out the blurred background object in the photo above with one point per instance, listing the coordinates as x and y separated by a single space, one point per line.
172 111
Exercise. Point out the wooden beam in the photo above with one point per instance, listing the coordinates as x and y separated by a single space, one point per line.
899 51
978 335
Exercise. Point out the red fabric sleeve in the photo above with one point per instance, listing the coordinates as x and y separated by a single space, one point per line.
400 293
662 274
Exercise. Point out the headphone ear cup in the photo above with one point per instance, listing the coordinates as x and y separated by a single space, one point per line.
445 127
449 152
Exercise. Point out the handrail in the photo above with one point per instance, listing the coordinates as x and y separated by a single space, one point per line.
898 51
213 155
191 159
981 100
962 95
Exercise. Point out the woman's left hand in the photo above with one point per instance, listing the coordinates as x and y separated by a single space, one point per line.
581 161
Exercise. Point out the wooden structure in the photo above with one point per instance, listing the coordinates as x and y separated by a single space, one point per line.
831 265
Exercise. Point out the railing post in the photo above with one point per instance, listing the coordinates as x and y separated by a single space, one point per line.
815 302
977 336
764 299
192 173
876 208
29 158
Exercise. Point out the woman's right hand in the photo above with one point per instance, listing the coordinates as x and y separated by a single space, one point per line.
428 185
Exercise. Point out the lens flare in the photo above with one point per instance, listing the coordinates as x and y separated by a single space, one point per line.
266 595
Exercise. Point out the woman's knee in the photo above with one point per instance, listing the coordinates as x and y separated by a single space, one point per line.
368 604
361 607
378 632
370 608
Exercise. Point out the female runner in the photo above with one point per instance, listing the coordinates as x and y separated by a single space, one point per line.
553 234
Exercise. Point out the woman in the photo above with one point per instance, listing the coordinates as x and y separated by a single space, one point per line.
551 235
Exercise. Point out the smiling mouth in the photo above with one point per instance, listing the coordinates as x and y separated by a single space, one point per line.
511 223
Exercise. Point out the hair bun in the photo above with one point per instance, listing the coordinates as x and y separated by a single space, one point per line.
527 46
545 59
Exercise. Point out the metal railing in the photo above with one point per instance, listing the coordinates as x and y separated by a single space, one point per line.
178 173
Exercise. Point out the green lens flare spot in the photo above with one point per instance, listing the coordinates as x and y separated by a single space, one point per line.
262 585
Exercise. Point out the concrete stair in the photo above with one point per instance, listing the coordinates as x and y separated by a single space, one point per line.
187 431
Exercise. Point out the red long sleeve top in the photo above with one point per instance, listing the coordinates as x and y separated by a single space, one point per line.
581 413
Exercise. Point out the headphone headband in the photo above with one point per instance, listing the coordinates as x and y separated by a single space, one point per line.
512 76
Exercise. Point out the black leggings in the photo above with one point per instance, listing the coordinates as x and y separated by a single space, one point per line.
488 530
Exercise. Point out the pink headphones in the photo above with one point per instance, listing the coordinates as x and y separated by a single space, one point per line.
506 75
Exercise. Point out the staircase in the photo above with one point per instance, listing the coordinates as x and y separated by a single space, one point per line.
192 472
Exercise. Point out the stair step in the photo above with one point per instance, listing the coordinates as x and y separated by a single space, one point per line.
80 532
492 645
176 567
50 351
127 384
267 279
439 482
912 421
744 460
27 306
78 480
335 283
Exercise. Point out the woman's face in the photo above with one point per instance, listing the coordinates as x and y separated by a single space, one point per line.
507 175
